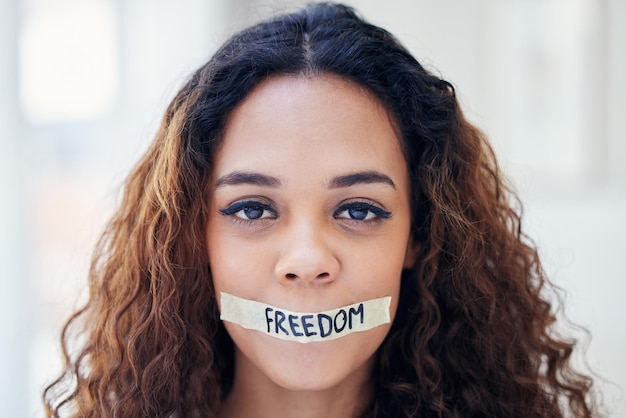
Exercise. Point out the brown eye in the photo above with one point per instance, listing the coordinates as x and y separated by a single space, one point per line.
250 210
361 211
254 212
358 213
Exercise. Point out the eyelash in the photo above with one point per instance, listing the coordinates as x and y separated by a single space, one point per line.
368 208
374 214
242 206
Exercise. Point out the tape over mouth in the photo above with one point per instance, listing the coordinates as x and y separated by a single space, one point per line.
305 327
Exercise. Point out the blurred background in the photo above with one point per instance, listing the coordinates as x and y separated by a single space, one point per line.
83 84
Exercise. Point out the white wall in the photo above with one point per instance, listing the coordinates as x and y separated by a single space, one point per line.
15 318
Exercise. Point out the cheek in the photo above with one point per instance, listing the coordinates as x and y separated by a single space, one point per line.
377 273
235 265
381 263
380 271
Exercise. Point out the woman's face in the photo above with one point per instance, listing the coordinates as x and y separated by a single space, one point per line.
309 211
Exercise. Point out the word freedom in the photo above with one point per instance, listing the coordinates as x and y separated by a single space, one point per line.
305 327
323 325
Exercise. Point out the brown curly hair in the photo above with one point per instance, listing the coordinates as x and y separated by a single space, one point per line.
473 334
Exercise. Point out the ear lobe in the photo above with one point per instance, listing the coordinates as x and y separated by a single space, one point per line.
411 253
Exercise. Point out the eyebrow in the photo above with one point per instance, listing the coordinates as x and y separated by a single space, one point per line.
244 177
361 177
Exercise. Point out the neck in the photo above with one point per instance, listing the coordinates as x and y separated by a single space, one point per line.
254 394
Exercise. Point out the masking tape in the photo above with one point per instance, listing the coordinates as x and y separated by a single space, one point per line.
305 327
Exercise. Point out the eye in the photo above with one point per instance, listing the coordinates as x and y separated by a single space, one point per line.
250 210
361 211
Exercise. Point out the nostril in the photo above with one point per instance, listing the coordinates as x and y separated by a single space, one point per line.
292 276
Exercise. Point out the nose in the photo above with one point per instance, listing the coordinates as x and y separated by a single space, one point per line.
307 256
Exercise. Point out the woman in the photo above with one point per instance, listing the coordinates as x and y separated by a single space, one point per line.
316 231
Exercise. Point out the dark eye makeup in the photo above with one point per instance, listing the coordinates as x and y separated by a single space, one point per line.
361 211
250 210
254 210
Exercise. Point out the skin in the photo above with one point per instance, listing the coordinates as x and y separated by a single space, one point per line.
313 243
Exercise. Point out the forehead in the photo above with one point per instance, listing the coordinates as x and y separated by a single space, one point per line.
319 124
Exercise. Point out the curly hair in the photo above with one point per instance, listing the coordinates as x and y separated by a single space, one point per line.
473 333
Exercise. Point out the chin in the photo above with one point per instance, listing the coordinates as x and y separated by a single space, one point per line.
316 366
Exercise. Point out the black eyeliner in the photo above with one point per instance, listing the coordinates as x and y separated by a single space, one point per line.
237 206
381 213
